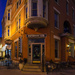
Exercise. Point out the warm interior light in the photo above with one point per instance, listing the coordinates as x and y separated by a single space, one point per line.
1 46
68 46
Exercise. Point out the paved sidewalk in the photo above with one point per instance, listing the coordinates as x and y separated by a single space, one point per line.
5 71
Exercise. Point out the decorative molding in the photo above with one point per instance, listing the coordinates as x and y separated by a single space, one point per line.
71 41
56 10
56 37
16 40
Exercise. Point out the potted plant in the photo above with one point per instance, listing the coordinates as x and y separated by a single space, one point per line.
20 64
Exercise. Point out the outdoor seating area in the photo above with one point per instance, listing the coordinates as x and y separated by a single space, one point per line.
59 66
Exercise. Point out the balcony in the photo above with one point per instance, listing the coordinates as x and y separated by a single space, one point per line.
36 22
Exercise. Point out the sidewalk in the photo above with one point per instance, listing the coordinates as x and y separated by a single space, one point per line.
5 71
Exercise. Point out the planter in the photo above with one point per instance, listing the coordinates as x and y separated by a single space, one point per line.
20 66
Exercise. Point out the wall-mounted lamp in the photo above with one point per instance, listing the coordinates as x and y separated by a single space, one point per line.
68 46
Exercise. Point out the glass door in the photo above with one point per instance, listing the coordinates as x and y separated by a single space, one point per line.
36 53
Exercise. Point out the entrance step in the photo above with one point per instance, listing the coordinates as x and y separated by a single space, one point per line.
32 68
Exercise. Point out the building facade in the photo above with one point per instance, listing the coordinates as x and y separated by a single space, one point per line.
34 28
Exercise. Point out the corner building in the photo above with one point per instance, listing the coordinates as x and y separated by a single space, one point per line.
40 27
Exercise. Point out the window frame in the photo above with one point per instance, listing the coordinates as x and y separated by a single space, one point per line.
15 49
57 1
73 14
8 14
34 9
56 20
56 40
67 7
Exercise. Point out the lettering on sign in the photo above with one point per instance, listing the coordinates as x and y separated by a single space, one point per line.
36 35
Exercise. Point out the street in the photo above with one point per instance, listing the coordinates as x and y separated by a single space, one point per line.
5 71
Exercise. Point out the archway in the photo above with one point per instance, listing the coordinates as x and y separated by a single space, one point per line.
67 27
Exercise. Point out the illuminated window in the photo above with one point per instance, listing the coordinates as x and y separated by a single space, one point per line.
56 17
56 49
34 7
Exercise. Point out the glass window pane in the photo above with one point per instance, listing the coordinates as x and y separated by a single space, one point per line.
34 13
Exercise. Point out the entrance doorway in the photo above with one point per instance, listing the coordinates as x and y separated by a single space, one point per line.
71 50
36 49
36 53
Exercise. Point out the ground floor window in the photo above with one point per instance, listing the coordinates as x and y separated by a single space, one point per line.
16 49
56 49
20 46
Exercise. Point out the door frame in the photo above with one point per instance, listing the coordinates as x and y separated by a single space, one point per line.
40 50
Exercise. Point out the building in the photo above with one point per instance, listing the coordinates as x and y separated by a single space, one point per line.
36 27
1 47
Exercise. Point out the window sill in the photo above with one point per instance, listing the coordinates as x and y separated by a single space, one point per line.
57 3
57 28
57 58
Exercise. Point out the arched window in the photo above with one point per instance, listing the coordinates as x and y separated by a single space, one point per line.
67 28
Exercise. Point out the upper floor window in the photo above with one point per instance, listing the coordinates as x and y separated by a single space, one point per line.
44 8
34 7
73 14
8 30
67 27
67 7
74 30
9 14
56 48
26 9
56 17
18 3
57 1
18 22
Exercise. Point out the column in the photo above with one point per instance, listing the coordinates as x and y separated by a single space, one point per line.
40 8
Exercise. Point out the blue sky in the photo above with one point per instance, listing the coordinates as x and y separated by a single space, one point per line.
2 8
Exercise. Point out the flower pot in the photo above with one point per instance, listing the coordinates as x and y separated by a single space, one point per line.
20 66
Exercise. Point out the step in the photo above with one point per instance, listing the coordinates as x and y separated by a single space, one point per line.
32 67
32 70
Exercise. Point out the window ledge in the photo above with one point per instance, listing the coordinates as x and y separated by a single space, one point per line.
57 28
57 58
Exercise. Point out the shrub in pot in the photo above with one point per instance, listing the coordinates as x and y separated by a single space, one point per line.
20 64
